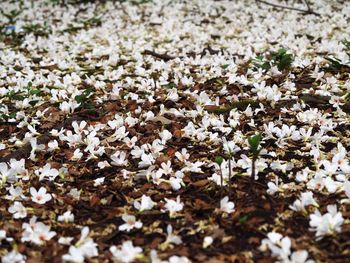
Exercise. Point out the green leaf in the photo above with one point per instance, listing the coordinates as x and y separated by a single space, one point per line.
282 59
225 66
34 92
334 63
170 85
219 160
254 142
243 219
346 43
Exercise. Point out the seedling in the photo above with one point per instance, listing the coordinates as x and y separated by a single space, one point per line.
85 98
282 59
336 64
254 143
37 29
12 15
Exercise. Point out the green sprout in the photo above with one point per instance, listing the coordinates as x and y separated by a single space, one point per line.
282 59
255 149
335 64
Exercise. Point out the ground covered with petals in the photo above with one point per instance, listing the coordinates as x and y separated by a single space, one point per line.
174 131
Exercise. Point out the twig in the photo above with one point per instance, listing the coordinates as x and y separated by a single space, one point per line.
308 11
164 57
211 51
308 5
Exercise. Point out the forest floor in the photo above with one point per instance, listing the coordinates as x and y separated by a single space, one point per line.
129 131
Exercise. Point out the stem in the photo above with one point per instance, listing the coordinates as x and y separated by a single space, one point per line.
253 167
308 11
221 182
229 171
308 5
221 178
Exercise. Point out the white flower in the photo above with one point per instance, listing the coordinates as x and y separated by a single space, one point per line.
47 172
340 160
347 188
69 107
279 246
146 203
79 128
52 145
305 200
2 235
327 224
157 177
6 174
172 238
13 257
84 248
207 241
99 181
36 232
40 197
65 240
272 188
154 257
77 154
75 255
15 193
66 217
173 206
177 259
146 160
75 193
130 223
175 183
18 210
183 155
127 254
118 159
130 142
103 164
118 135
230 147
165 135
166 168
35 148
300 257
226 206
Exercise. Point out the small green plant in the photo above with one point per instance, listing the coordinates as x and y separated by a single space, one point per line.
37 29
84 24
85 98
282 59
12 15
255 149
346 43
336 64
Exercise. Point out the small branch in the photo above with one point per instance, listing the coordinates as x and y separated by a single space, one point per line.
308 5
164 57
211 51
308 11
